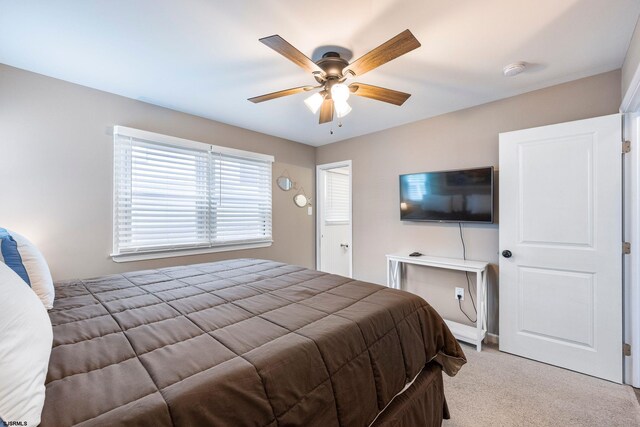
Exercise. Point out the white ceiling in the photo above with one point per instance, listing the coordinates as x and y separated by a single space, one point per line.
204 58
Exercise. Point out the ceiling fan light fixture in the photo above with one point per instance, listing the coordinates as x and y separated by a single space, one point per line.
340 92
332 70
342 108
314 102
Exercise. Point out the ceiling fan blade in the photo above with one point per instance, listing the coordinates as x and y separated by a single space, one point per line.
326 111
280 93
287 50
387 51
379 93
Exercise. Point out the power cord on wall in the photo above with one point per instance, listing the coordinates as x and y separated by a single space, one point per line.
466 273
465 314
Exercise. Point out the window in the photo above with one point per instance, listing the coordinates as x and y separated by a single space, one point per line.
177 195
336 186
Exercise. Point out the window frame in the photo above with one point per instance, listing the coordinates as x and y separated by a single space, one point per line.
146 254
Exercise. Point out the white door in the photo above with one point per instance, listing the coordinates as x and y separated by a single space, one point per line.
334 218
561 221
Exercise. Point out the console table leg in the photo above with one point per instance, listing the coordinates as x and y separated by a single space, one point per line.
393 274
481 311
484 298
389 273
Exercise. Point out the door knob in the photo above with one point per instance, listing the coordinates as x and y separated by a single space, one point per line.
344 245
507 253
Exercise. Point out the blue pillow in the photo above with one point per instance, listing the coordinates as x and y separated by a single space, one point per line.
11 257
24 259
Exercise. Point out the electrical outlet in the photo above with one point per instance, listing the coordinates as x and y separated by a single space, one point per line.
460 294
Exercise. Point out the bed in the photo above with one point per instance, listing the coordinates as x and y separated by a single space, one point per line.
244 342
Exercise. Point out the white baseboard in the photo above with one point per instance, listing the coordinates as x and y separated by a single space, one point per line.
492 338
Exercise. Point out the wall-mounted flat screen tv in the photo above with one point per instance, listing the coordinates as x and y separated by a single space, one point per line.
448 196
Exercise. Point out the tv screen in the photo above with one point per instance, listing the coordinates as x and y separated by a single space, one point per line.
448 196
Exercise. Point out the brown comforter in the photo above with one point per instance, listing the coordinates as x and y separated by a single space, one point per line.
235 343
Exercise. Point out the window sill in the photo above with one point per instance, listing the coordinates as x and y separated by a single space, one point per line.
141 256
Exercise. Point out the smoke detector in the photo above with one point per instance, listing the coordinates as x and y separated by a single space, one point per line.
514 69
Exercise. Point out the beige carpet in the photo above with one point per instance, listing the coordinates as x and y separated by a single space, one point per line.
497 389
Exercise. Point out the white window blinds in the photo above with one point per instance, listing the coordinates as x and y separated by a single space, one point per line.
241 200
172 194
337 196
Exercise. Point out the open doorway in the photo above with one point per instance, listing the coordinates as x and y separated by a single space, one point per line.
334 246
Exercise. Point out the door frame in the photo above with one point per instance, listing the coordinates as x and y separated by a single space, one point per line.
319 209
631 270
630 106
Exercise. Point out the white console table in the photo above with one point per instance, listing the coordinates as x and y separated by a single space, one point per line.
462 332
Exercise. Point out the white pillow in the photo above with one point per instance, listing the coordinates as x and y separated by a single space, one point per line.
25 347
25 259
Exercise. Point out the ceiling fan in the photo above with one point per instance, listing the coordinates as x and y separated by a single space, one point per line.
331 71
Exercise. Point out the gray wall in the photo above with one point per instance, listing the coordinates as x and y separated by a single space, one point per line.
463 139
56 173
